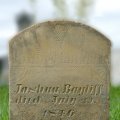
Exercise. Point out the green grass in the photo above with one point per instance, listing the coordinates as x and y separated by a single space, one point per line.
4 103
114 103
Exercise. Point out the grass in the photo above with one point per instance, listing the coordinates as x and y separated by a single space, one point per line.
4 103
114 103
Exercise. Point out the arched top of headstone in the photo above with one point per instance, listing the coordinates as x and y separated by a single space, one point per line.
56 24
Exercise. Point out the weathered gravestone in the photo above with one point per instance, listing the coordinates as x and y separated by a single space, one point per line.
59 71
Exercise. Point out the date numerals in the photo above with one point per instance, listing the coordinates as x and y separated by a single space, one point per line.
58 114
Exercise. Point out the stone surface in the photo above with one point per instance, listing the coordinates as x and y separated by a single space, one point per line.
59 71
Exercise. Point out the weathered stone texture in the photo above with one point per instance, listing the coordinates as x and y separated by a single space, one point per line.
59 71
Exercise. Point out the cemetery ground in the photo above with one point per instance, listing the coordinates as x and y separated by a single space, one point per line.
114 103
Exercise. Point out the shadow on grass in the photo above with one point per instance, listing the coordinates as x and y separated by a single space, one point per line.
114 103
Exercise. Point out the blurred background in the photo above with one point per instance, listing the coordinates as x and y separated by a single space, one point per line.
104 15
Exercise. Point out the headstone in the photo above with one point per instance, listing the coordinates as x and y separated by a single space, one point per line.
59 71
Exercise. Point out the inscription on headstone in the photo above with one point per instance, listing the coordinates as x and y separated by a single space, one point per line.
59 71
